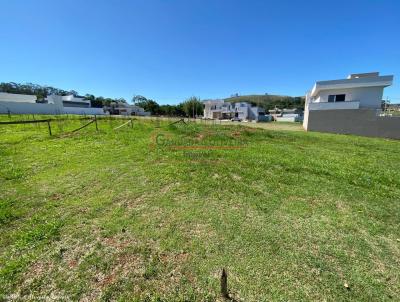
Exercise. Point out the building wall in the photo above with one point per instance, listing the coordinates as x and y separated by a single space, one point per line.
55 106
76 104
305 119
12 97
335 105
289 118
242 109
83 111
369 97
30 108
364 122
253 113
209 105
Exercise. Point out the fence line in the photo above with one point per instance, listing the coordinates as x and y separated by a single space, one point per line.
29 122
179 121
124 124
25 122
84 126
93 119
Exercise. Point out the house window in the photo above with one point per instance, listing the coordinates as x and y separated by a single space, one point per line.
340 97
336 98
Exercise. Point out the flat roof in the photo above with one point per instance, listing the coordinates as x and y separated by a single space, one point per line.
367 81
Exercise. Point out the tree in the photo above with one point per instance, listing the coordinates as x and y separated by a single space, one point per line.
146 104
152 106
193 107
138 98
94 102
90 97
171 110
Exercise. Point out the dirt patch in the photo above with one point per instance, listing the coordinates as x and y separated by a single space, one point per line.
236 177
236 134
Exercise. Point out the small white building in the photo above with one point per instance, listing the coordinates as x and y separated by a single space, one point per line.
351 106
289 115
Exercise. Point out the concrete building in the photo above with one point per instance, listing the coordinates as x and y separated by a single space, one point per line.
53 104
76 105
219 109
75 101
350 106
17 98
125 109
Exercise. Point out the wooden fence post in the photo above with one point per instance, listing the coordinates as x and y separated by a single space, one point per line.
224 285
48 124
131 123
95 120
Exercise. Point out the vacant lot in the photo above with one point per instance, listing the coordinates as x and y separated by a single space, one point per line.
154 212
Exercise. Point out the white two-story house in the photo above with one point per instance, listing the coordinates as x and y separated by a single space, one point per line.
351 106
219 109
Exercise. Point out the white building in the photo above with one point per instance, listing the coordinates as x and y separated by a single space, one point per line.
219 109
53 104
125 109
17 98
362 90
351 106
288 115
76 105
75 101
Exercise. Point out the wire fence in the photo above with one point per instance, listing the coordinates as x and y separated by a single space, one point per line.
62 124
69 124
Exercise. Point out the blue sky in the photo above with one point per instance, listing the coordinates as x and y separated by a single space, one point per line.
170 50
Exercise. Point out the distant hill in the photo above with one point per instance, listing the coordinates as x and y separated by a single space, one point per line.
270 101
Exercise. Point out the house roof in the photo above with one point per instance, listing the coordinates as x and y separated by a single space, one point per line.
354 81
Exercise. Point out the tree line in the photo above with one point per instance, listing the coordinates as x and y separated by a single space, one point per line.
270 101
41 92
33 89
190 107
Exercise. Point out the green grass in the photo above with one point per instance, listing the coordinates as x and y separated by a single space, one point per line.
112 215
270 125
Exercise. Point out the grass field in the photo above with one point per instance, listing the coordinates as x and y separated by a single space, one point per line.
270 126
154 212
